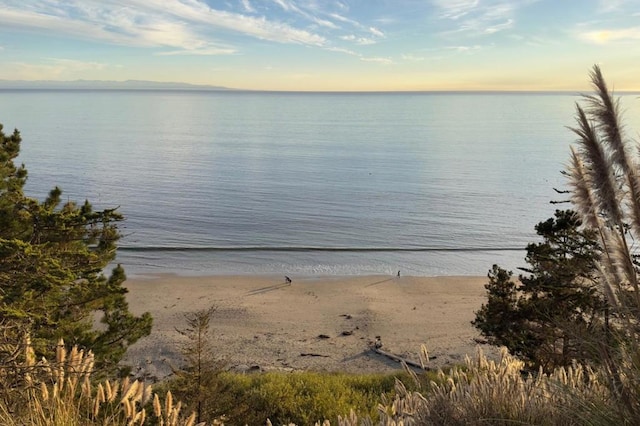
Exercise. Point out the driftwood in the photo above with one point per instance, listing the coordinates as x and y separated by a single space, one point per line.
312 354
400 359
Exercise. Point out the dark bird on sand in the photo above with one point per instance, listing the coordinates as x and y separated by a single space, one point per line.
287 279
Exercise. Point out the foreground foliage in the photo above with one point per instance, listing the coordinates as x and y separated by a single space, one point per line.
605 176
302 398
479 393
553 314
305 398
498 393
62 392
197 381
65 392
52 257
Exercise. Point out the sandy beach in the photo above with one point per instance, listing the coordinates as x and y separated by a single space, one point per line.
321 324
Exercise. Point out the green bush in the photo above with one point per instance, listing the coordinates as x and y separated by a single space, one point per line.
301 397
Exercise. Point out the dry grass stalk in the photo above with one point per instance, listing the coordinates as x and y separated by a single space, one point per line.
62 393
488 392
611 175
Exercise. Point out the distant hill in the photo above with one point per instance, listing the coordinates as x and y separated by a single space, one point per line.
104 85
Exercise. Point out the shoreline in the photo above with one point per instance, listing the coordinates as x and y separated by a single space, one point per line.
320 323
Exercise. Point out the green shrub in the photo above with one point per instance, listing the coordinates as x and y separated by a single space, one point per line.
301 397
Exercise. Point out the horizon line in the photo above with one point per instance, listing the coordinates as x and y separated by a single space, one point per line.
205 89
151 85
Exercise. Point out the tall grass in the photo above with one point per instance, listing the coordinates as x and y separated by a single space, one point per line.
62 393
480 392
487 392
605 175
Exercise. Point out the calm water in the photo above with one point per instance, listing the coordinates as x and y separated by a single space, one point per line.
304 184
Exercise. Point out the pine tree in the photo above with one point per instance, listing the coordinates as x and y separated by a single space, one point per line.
553 314
197 382
52 258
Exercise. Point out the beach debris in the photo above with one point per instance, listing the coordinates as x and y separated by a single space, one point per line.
323 336
346 316
378 343
401 360
314 355
244 368
346 333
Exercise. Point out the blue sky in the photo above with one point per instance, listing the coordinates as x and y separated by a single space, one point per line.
325 44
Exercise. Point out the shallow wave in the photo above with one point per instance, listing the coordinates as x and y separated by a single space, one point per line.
312 249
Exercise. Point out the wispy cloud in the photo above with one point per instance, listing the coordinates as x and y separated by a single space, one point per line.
196 27
307 12
248 7
75 65
187 25
474 18
286 5
344 19
499 27
51 69
342 50
465 48
376 32
373 59
534 40
198 52
326 23
606 6
412 58
380 60
368 30
363 41
455 9
605 36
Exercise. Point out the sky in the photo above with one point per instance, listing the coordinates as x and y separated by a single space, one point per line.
325 45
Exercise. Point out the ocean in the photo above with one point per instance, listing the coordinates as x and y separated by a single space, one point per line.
305 184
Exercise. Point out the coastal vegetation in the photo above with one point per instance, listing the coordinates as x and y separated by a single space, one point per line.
570 323
52 257
553 315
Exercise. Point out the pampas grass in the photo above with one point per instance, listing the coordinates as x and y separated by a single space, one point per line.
484 392
603 172
62 392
